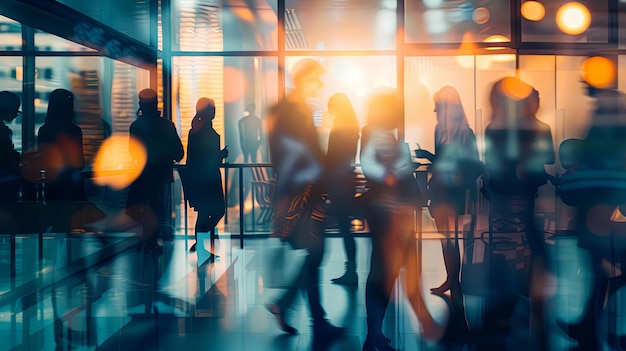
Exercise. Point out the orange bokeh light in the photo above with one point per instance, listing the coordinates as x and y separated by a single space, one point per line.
120 160
533 10
599 72
515 89
573 18
235 84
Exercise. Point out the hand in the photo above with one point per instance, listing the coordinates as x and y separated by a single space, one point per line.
224 152
421 153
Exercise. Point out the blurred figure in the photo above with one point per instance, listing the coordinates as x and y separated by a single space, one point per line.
204 179
250 134
517 148
455 167
342 145
593 183
60 143
391 204
9 163
146 197
299 208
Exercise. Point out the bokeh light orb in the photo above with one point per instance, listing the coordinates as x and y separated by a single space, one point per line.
573 18
120 160
599 72
481 15
533 10
515 89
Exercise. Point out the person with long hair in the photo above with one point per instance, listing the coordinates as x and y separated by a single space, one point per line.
342 146
204 157
455 151
60 143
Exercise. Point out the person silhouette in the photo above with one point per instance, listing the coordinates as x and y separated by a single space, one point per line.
392 201
250 134
9 162
593 184
60 143
203 177
517 148
299 207
146 196
340 155
455 154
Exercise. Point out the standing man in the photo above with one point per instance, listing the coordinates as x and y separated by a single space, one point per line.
146 199
299 209
250 134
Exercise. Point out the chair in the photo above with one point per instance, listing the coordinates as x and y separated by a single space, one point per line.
263 188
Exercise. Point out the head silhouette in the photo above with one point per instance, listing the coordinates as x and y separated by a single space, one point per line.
9 106
384 109
148 102
306 75
250 108
451 119
60 106
340 107
205 113
513 101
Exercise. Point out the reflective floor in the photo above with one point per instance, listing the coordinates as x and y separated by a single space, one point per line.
59 299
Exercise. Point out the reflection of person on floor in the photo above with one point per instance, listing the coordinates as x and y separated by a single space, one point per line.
9 163
517 148
299 209
250 134
342 145
60 143
593 163
391 206
204 179
146 197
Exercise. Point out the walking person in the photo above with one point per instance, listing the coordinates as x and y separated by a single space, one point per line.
342 146
392 199
299 208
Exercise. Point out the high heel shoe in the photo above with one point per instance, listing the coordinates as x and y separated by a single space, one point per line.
279 314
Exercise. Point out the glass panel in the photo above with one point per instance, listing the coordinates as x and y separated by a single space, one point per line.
131 17
233 83
211 25
10 35
340 25
565 21
351 75
11 80
49 42
454 21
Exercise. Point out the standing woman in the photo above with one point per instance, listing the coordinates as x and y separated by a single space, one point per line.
204 157
456 156
60 143
342 145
